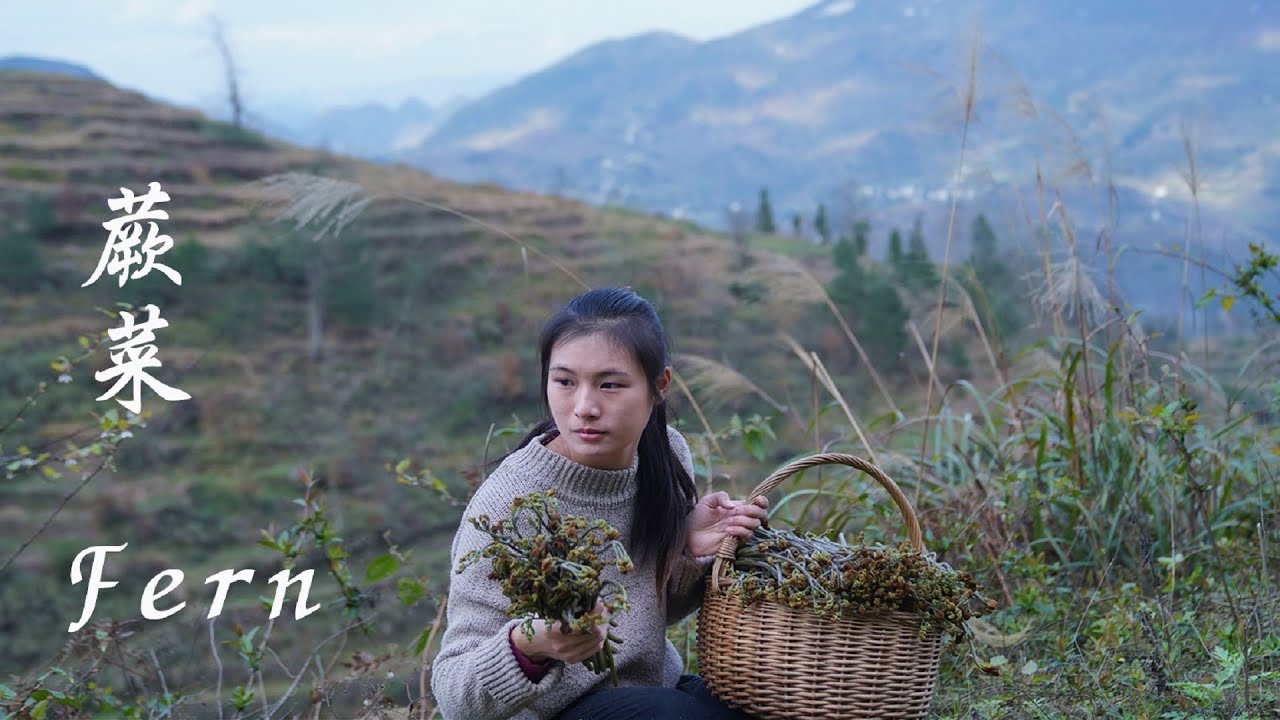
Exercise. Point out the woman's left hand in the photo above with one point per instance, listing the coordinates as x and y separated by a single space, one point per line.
716 516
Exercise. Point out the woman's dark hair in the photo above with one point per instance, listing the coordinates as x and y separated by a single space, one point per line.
664 491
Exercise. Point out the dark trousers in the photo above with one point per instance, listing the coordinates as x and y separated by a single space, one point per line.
689 700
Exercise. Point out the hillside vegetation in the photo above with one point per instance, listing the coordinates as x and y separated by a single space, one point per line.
369 362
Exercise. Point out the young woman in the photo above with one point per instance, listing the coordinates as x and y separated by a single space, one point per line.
607 451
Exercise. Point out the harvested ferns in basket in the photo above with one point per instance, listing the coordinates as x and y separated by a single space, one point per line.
550 567
833 578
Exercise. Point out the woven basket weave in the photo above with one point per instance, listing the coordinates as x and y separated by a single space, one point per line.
781 663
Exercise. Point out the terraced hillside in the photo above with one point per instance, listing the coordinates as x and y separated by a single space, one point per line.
77 140
409 335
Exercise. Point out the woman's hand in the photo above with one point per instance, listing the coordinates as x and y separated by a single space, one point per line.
716 516
552 643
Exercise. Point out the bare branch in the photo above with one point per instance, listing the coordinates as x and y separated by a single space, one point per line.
219 38
66 499
217 697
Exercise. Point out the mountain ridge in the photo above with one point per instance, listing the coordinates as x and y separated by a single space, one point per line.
809 102
32 63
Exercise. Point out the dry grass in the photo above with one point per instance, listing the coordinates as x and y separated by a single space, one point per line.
969 96
720 383
326 204
1068 291
815 366
790 283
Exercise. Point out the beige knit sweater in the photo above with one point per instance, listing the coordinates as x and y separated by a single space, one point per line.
475 676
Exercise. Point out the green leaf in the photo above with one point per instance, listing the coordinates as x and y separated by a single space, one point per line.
1195 691
383 566
1042 445
421 644
754 445
40 710
409 591
66 701
1030 668
1204 300
1230 662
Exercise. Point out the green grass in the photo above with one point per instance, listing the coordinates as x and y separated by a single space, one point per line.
1115 521
227 134
790 246
30 173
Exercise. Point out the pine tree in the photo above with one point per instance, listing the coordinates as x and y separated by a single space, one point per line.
868 301
820 225
883 328
995 281
983 243
764 214
795 224
895 252
919 271
847 287
861 230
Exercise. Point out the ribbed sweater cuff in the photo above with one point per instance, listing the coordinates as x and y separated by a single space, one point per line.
533 669
500 673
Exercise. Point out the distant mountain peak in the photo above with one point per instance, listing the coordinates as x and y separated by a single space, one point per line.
859 92
634 47
31 63
837 7
652 38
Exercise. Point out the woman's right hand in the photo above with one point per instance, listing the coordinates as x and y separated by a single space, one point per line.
569 648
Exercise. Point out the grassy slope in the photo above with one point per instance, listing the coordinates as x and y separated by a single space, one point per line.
446 352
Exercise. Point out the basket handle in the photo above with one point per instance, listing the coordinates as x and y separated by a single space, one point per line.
729 546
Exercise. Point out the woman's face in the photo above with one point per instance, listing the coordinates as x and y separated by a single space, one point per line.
600 401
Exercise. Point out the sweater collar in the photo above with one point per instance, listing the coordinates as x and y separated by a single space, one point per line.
580 483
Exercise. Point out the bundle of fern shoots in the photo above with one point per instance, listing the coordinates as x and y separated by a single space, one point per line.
834 578
550 567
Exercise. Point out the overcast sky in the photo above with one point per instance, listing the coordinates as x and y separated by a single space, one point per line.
321 53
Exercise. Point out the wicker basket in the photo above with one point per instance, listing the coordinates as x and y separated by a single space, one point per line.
781 663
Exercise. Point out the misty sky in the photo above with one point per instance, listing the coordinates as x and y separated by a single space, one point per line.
320 53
